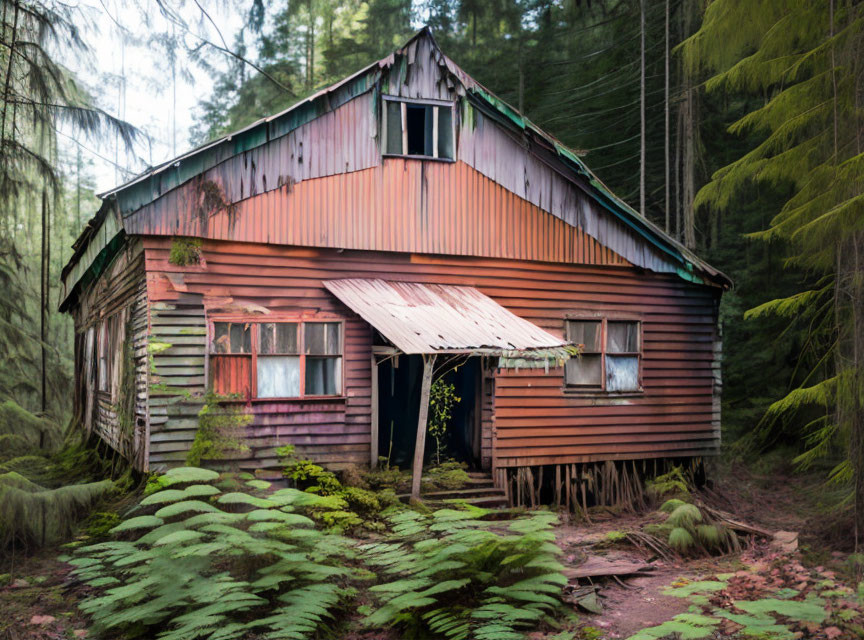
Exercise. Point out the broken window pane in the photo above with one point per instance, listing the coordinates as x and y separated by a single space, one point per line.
622 337
278 376
231 337
622 373
585 332
394 127
583 371
278 337
445 132
322 338
102 342
323 376
231 375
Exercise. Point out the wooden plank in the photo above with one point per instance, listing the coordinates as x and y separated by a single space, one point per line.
373 447
420 444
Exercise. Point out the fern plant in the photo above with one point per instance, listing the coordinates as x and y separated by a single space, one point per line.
689 531
451 576
195 561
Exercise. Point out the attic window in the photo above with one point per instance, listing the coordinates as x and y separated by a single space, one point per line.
418 129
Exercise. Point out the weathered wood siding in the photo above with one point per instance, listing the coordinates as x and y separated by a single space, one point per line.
532 419
116 298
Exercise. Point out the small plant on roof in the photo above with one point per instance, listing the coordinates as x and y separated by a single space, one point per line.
185 251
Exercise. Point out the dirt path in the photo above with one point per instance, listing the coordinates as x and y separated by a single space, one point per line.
636 602
37 603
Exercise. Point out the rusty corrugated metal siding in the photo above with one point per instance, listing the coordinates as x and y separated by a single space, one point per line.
502 158
402 205
532 418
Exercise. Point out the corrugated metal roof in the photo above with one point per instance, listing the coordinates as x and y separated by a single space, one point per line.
437 318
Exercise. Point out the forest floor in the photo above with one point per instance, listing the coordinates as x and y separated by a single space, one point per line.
725 597
732 595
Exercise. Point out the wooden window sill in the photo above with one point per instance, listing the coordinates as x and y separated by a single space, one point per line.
416 157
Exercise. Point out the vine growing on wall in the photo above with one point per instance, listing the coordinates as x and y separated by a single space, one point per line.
442 399
221 430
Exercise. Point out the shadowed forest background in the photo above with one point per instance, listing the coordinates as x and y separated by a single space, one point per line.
736 126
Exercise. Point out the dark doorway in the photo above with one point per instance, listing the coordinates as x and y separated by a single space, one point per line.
399 382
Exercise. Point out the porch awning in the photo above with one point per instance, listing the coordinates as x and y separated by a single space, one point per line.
439 318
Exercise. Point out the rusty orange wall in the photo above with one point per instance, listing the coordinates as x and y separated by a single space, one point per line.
399 205
534 421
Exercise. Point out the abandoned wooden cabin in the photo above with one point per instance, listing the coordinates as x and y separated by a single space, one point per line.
314 265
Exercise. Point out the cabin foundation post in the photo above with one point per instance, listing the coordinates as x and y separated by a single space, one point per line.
420 445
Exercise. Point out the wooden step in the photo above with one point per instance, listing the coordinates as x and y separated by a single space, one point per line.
467 492
491 501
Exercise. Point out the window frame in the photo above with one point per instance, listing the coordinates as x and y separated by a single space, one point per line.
254 322
426 102
605 318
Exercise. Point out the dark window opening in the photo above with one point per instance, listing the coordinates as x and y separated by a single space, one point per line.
418 129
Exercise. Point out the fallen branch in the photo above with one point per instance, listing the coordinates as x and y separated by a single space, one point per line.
653 543
734 524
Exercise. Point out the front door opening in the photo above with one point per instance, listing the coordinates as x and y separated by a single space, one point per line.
399 381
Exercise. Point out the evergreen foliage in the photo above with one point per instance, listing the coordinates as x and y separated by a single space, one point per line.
448 575
38 97
806 59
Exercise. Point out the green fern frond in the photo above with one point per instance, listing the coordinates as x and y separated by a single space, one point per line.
681 540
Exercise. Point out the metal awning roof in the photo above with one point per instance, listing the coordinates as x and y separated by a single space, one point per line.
439 318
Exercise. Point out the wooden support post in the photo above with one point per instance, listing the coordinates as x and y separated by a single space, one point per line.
373 445
420 445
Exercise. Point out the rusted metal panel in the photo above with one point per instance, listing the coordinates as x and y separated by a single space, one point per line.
402 205
434 318
529 417
335 132
489 149
338 142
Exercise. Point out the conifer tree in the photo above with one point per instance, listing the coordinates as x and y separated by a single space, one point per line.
806 59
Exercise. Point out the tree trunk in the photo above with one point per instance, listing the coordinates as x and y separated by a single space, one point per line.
689 147
420 445
8 80
43 297
642 141
666 202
